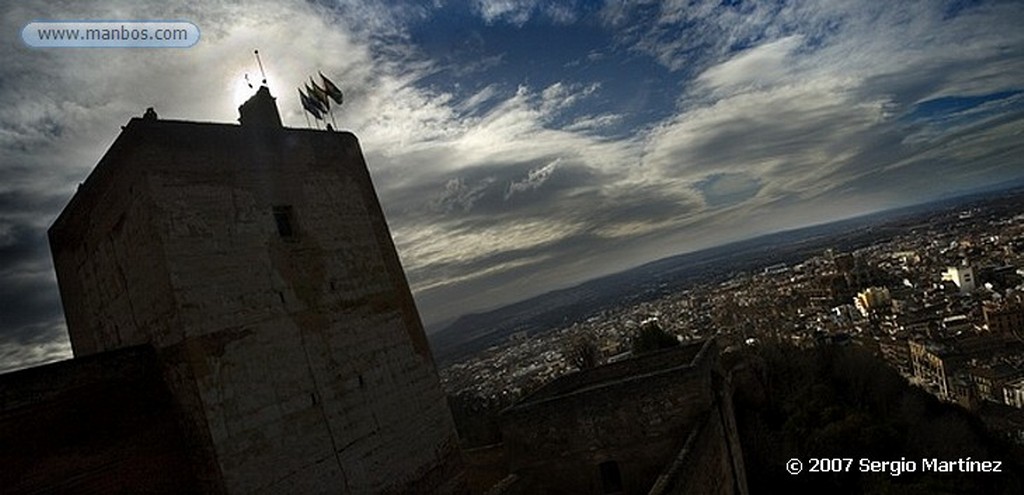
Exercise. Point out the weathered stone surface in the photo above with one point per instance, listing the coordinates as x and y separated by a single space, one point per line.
104 424
635 415
298 354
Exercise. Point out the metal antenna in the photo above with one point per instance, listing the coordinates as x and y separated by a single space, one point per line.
260 62
247 80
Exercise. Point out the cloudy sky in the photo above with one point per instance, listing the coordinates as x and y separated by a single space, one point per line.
520 146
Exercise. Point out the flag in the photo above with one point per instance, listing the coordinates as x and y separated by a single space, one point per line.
320 95
331 89
310 105
316 101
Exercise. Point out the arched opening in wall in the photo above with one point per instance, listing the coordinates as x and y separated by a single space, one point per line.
611 478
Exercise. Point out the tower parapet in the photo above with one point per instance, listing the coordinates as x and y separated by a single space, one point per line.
260 110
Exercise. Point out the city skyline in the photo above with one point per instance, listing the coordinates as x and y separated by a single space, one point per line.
519 147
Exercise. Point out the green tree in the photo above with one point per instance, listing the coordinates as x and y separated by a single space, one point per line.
582 352
651 337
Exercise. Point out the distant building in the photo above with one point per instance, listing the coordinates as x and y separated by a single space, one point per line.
907 258
1004 318
931 363
872 299
1013 393
926 323
962 390
851 275
989 381
257 262
945 368
896 352
962 276
844 315
957 324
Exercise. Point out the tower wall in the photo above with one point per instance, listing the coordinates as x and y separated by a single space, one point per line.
259 262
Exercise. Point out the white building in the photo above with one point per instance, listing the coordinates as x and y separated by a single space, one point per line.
872 298
1013 393
962 276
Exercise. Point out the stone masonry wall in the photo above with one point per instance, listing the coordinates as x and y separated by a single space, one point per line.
639 422
304 353
109 262
103 424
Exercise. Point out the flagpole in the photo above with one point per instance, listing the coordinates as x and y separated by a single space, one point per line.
302 103
260 62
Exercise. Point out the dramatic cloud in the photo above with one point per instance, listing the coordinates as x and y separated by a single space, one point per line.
764 65
520 146
518 12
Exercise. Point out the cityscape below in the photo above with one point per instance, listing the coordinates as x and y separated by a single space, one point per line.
932 294
936 280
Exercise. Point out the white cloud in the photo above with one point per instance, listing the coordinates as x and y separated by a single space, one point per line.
590 123
518 12
559 96
471 104
515 12
534 179
561 13
458 195
759 67
50 345
446 244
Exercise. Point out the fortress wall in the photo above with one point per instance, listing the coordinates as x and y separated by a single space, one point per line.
637 422
103 424
300 358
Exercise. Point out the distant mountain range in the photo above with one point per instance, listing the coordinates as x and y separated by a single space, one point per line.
475 332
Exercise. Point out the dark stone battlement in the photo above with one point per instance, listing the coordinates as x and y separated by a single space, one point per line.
663 417
681 359
102 424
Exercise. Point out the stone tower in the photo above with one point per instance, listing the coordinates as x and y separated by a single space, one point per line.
257 261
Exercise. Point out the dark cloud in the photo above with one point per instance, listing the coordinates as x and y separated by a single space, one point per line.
35 344
728 189
27 202
31 318
28 293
